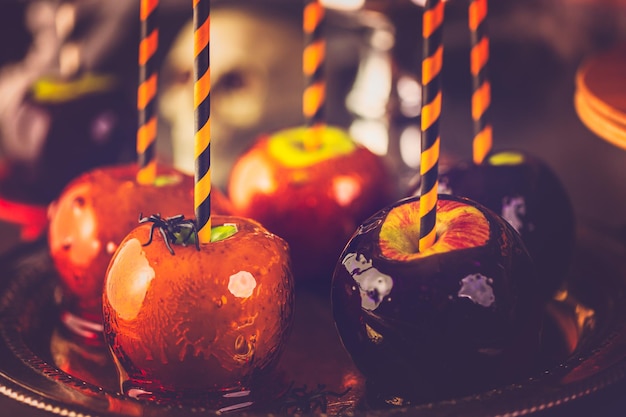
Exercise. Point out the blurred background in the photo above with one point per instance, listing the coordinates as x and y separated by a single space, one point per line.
68 82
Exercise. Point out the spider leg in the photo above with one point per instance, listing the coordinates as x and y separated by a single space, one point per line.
166 238
150 235
190 226
175 218
194 228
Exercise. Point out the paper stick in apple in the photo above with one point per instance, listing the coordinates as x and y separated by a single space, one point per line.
481 87
518 186
147 92
314 55
431 110
201 97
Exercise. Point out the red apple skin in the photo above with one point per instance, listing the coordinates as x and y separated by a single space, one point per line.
531 197
461 317
94 213
314 208
198 321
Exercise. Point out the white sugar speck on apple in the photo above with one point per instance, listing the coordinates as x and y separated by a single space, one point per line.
477 288
241 284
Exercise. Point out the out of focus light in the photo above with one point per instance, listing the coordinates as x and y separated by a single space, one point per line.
372 134
382 39
371 90
422 3
410 95
343 4
410 146
69 59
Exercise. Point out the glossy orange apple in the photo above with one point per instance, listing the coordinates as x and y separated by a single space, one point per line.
91 217
313 198
460 317
197 321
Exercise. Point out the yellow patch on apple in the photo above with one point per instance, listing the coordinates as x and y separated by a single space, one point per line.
458 226
287 146
506 158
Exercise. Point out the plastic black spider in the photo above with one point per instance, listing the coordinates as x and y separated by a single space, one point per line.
301 400
175 229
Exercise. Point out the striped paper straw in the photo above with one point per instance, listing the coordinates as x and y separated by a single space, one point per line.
314 55
481 88
202 108
431 110
147 91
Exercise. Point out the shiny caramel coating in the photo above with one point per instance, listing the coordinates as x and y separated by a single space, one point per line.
198 321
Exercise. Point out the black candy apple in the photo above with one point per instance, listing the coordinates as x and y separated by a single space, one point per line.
527 193
61 128
454 319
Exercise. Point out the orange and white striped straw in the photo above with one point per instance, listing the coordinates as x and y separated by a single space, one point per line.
147 92
481 87
313 58
202 112
431 110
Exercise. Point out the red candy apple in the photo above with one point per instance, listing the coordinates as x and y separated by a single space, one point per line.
526 193
315 198
459 317
198 320
91 217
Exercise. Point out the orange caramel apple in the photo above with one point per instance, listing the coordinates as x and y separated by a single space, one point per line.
94 213
313 198
197 319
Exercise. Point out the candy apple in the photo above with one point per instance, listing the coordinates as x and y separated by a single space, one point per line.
526 193
312 198
199 320
55 129
456 318
91 217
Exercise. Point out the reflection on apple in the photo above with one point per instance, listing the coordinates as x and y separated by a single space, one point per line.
314 199
197 321
455 319
527 193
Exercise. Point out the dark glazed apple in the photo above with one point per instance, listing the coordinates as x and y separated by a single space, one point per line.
526 193
314 199
94 213
198 321
454 319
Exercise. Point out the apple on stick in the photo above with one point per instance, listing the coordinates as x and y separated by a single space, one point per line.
526 193
194 307
313 198
91 217
454 319
207 317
